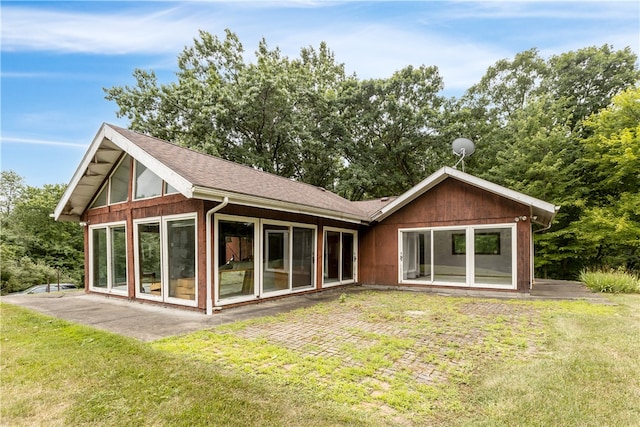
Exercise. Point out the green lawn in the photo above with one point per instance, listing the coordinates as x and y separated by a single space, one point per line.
371 358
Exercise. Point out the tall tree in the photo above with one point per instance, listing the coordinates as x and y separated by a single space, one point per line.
11 189
609 227
275 114
393 140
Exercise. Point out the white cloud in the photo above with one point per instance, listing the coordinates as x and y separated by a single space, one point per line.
12 140
107 33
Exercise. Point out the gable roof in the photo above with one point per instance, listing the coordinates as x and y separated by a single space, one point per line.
542 212
202 176
196 175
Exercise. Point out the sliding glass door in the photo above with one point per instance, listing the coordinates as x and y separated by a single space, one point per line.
339 258
255 258
480 256
236 259
166 259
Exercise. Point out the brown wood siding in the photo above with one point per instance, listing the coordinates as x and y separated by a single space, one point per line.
450 203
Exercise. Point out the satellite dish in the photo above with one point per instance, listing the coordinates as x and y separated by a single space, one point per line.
462 147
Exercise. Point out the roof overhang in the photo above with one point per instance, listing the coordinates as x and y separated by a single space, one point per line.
264 203
104 152
541 212
107 148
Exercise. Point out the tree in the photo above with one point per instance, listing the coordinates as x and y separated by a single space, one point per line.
392 124
34 246
11 188
609 227
276 114
528 116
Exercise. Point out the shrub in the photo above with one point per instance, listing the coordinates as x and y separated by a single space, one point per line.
612 281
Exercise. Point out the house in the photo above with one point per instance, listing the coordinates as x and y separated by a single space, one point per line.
169 225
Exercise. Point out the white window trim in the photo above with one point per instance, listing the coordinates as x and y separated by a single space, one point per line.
291 226
135 183
469 256
256 254
107 187
355 257
136 257
109 289
164 257
259 231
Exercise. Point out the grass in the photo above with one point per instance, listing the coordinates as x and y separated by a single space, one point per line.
611 281
369 358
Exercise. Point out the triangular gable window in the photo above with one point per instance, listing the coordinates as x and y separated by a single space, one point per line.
116 189
148 184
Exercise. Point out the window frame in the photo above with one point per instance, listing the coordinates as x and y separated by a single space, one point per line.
164 258
106 186
289 262
470 273
134 187
110 285
340 280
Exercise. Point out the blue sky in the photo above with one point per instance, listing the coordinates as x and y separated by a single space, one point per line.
58 56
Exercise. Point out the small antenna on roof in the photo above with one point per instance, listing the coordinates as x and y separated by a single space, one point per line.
462 147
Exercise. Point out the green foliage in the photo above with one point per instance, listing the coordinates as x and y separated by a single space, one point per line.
611 281
34 247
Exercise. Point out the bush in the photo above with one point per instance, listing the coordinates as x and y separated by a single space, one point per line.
611 281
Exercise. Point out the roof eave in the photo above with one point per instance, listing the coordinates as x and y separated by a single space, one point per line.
264 203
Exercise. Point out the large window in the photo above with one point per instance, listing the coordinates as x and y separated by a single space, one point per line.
147 183
339 257
108 262
116 188
465 256
166 259
288 257
236 260
256 257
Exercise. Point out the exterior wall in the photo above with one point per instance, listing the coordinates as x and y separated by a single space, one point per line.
268 214
175 204
148 208
450 203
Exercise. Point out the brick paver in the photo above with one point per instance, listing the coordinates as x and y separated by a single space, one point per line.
324 334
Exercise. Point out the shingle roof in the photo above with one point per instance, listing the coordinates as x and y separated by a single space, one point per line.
205 176
214 173
198 175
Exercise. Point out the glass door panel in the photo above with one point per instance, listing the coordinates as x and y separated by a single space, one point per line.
449 257
119 258
150 268
181 252
347 256
100 262
302 260
493 258
275 274
236 261
331 256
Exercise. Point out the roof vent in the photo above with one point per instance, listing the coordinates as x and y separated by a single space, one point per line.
384 199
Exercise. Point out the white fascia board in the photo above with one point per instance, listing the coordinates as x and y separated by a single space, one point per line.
79 173
445 172
263 203
106 132
184 186
410 195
